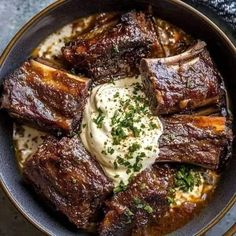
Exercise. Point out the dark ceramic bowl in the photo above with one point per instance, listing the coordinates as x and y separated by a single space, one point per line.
63 12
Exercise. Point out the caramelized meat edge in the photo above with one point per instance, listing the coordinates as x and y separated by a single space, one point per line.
116 51
64 174
143 202
197 140
183 82
45 96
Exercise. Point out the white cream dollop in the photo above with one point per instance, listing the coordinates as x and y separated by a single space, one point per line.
119 130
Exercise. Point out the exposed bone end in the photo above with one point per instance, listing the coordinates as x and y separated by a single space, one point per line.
45 96
183 82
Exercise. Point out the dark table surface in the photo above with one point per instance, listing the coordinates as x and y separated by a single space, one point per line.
14 13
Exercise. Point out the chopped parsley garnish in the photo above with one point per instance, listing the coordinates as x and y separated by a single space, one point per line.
129 215
134 147
136 131
152 125
137 202
119 188
116 95
171 196
129 212
115 118
169 137
142 205
171 199
118 134
99 120
115 165
148 148
115 49
130 120
186 178
148 209
137 88
123 162
110 150
126 120
104 152
137 166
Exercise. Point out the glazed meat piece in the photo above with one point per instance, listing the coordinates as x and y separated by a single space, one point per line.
72 182
198 140
45 96
172 39
116 51
183 82
143 202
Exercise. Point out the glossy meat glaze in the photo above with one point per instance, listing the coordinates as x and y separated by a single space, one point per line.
69 179
197 140
50 98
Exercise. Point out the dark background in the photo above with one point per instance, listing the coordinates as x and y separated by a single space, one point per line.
14 13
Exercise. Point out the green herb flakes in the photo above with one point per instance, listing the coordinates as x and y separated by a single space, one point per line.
134 147
186 178
121 187
99 120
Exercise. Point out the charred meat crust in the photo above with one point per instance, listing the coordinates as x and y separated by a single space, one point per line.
143 202
64 174
117 51
197 140
48 97
182 82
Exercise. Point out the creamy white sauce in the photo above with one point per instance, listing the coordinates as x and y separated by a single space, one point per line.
191 196
52 45
199 192
26 141
116 105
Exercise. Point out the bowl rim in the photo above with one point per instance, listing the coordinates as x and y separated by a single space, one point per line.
33 20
